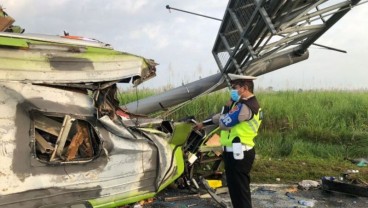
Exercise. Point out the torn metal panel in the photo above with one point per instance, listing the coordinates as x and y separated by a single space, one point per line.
30 111
116 129
57 60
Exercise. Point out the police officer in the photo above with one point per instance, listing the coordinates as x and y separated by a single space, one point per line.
239 122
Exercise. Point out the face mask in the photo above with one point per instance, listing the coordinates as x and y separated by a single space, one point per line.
234 95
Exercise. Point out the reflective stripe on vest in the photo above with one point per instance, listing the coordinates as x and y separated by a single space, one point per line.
224 134
254 125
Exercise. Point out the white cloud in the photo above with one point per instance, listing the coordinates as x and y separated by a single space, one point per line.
154 33
128 6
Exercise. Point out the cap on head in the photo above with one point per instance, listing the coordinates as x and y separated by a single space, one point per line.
241 77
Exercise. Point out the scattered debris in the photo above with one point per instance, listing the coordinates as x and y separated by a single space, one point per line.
214 183
292 189
349 183
288 194
307 203
360 162
307 184
265 196
263 190
205 196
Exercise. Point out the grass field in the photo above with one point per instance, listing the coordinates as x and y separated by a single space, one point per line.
304 135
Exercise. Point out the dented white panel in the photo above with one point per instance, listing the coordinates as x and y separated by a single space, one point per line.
126 165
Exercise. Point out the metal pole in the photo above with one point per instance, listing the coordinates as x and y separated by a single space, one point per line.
327 47
168 7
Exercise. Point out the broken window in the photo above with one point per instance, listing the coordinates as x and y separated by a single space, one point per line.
64 139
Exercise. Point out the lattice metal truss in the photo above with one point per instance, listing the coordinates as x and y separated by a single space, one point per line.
257 30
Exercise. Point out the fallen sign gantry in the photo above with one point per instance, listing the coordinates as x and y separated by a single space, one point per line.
255 38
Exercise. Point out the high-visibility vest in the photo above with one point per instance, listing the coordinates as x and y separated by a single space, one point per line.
245 130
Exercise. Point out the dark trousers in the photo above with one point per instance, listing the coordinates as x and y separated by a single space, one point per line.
238 179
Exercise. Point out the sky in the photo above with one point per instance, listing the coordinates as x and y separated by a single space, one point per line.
182 43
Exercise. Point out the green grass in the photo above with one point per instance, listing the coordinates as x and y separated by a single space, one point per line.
304 135
134 94
294 170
